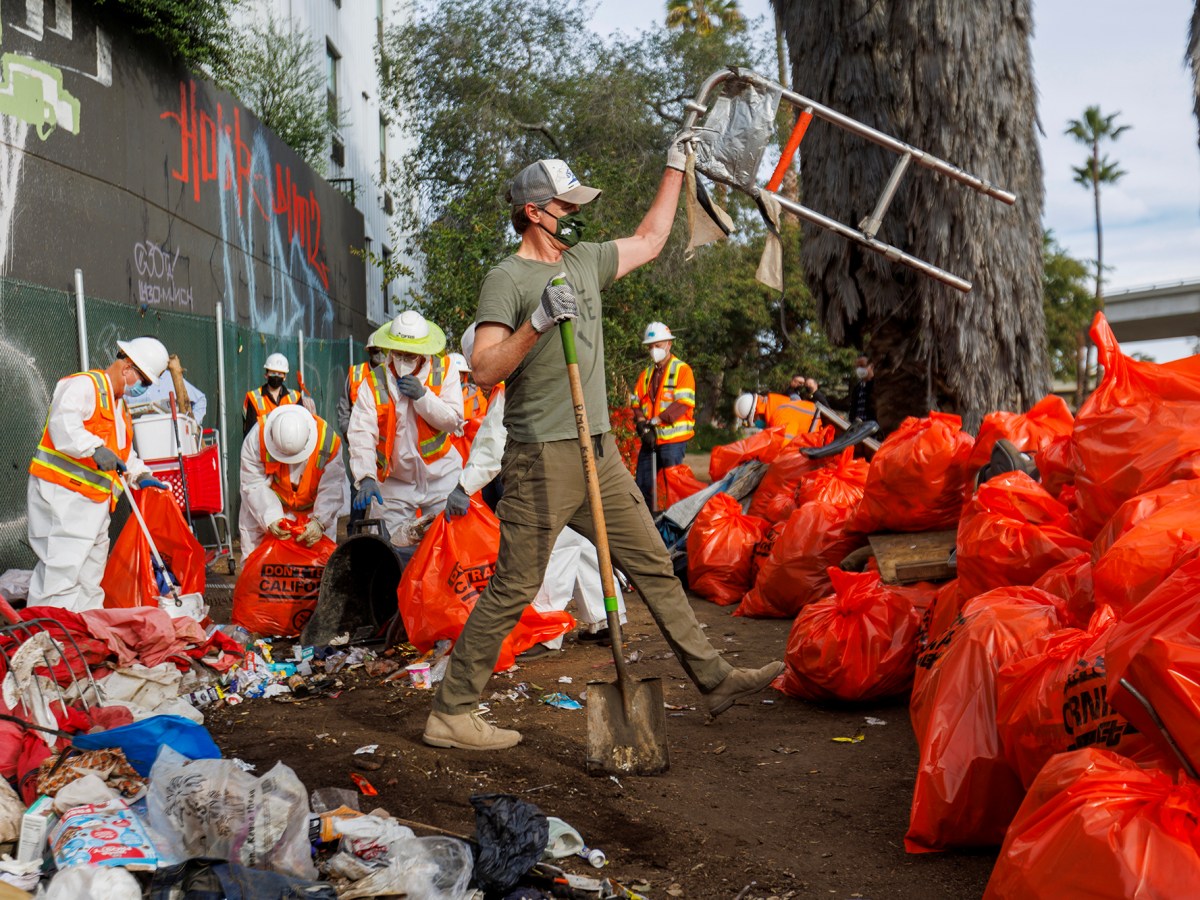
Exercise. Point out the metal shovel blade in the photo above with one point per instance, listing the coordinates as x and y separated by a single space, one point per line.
626 738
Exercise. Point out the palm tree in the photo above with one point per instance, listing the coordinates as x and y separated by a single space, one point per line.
704 16
956 80
1193 57
1093 129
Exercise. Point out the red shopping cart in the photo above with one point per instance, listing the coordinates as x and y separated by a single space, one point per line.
198 486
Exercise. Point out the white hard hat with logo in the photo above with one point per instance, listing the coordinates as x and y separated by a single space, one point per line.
743 407
655 332
410 332
277 362
468 343
147 354
290 433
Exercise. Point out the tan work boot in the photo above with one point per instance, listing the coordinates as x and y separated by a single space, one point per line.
467 731
738 684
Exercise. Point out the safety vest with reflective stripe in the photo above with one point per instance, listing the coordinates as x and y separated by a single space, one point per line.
82 475
678 386
796 416
358 374
302 496
431 443
264 404
474 409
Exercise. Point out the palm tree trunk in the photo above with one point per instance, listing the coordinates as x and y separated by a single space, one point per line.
1098 304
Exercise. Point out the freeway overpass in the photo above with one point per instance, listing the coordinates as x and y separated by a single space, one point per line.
1155 313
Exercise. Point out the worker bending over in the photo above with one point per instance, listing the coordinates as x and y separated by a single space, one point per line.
771 410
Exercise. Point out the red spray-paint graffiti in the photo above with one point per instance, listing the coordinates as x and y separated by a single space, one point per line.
199 160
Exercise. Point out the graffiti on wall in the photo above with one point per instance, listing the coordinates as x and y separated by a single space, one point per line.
262 209
156 266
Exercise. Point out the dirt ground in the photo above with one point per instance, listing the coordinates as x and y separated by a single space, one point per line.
760 803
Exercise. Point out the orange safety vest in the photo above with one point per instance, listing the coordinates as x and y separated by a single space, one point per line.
678 386
82 475
431 444
796 416
475 407
263 404
358 374
300 497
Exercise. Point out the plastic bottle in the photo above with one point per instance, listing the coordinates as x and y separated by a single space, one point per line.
593 856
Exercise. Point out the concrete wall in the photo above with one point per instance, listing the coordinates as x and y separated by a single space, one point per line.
163 189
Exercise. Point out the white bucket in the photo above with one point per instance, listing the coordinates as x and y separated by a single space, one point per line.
154 436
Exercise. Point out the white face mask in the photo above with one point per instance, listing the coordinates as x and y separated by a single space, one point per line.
401 366
658 354
860 373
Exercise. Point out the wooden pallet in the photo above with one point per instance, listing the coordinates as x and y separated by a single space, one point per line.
905 558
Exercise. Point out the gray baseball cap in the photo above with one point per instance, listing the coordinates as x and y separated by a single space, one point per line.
546 180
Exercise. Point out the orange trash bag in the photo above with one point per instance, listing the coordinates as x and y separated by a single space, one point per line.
1097 825
939 614
793 575
720 550
774 498
763 445
1137 431
280 583
1136 509
1048 419
1156 647
841 481
1056 465
675 483
1072 581
1142 558
129 573
966 792
918 477
1056 701
1012 532
859 643
445 577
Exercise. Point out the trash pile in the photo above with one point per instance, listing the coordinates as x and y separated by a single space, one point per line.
1053 656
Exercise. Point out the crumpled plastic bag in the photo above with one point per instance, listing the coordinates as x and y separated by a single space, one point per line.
675 483
420 868
774 498
211 807
966 791
511 834
720 549
1097 825
93 882
730 142
918 477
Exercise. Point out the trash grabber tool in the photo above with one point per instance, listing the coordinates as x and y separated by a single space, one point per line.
627 725
159 565
187 503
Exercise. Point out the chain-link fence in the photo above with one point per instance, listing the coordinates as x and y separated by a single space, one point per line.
39 345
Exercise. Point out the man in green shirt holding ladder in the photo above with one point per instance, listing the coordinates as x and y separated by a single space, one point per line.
544 487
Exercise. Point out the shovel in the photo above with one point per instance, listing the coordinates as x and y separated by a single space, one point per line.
627 727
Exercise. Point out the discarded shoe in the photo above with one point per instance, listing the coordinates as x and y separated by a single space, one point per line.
738 684
533 652
467 731
602 638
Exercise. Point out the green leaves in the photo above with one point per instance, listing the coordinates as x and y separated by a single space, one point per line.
193 31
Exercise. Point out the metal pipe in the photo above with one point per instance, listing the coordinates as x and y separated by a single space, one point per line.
893 253
300 357
870 225
81 321
222 440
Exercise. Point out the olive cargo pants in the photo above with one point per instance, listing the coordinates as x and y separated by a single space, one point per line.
544 490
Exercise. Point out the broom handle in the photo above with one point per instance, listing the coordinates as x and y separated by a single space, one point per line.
567 331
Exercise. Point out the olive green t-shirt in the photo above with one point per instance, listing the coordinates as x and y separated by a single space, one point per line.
537 396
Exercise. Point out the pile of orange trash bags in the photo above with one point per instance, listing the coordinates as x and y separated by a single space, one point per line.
1056 681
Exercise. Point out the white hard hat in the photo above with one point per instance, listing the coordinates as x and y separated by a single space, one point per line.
410 332
460 362
468 344
743 407
290 433
655 332
277 362
148 354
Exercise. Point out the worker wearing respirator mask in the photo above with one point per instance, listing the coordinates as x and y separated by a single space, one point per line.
664 407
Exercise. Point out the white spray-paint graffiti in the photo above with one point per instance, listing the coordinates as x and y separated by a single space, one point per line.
157 286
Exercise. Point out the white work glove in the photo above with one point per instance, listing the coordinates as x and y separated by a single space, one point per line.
279 528
312 533
558 305
677 152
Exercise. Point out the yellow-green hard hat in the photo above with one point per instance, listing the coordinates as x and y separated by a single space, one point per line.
409 332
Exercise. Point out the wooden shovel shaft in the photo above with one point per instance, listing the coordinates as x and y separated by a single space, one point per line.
592 478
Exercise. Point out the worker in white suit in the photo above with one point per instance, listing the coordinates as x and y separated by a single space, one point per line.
291 466
401 456
573 572
77 471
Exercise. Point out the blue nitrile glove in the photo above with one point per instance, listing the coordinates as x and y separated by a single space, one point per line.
457 503
107 461
164 580
410 386
147 481
368 491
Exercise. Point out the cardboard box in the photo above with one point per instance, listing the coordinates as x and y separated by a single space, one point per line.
35 828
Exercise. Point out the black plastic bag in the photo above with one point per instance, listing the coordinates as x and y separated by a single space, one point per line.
510 835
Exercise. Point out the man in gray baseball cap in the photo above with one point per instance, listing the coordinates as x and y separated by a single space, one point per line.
553 277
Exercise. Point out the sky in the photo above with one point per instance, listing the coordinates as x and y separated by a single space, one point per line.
1126 58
